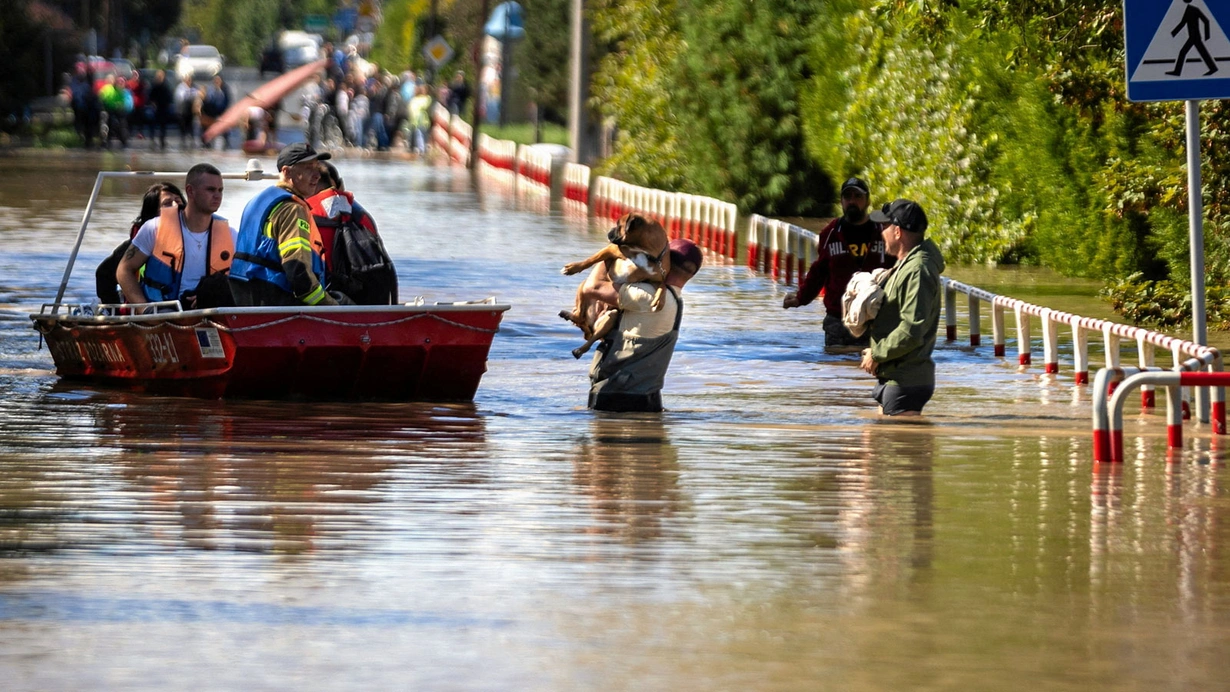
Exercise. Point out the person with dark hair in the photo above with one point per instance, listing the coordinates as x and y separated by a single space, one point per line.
903 331
160 99
159 196
629 369
214 103
356 263
848 244
183 254
187 103
458 94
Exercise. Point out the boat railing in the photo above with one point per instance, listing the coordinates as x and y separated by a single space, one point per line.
253 172
111 309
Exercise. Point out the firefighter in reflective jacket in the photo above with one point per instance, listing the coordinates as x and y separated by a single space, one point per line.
278 257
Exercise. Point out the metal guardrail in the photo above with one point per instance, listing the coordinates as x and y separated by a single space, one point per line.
1108 429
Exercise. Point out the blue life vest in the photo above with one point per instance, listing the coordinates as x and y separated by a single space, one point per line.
256 254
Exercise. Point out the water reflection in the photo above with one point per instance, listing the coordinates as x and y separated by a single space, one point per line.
887 509
243 476
630 470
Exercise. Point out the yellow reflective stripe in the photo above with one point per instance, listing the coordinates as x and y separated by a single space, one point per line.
315 296
294 244
269 220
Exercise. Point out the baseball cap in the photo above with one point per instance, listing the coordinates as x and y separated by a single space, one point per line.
298 153
685 255
904 213
857 184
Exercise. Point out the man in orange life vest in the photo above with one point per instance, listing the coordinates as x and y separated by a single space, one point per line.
848 244
173 254
278 256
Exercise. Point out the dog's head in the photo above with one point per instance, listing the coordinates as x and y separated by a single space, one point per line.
631 229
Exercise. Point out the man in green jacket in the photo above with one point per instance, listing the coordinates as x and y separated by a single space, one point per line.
903 332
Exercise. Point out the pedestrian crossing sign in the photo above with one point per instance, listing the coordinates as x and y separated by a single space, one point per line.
1177 50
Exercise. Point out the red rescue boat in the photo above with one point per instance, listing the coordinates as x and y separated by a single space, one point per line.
393 352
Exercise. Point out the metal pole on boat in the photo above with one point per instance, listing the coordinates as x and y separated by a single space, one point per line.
72 258
253 172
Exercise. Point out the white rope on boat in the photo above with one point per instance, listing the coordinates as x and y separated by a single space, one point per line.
284 320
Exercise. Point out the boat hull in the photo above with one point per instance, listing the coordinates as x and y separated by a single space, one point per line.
434 353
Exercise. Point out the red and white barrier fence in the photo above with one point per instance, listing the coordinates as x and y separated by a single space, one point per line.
440 136
533 168
460 134
1108 415
1082 328
576 183
708 222
779 249
499 154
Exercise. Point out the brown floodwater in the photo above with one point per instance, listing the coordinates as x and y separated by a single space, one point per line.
767 532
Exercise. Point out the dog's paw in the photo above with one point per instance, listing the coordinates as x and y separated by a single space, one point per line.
580 351
568 316
571 268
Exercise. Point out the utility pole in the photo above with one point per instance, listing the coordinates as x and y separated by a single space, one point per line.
580 129
478 71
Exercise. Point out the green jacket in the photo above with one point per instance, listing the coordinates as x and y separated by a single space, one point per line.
903 332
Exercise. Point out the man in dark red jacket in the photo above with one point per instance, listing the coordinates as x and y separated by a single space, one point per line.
848 244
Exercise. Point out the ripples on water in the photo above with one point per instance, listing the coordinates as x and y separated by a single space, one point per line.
768 532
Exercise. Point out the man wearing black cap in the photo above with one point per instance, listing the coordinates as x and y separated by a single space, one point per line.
848 244
278 258
903 332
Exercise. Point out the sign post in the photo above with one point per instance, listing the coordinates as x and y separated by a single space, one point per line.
1178 51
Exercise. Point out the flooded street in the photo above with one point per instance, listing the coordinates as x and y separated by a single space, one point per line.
767 532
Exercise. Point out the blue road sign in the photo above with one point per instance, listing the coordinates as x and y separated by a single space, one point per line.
1177 50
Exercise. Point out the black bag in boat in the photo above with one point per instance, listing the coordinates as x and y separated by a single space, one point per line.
361 267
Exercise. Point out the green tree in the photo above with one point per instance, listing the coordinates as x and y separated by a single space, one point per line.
24 35
739 86
398 38
239 28
542 58
634 87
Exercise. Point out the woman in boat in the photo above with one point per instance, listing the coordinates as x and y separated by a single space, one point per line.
159 196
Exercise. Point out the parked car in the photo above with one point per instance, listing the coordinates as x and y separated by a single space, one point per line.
202 62
299 48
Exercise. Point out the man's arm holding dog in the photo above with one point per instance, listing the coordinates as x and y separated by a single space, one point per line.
609 252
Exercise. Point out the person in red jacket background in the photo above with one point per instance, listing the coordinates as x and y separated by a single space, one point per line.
850 243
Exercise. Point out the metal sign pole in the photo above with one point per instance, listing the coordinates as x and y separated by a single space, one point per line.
1195 204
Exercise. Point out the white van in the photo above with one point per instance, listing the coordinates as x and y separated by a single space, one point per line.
299 48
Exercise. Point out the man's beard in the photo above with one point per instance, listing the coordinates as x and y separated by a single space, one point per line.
853 213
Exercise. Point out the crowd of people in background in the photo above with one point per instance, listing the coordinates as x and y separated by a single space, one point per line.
366 106
354 103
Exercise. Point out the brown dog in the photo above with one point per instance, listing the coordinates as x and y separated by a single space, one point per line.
639 250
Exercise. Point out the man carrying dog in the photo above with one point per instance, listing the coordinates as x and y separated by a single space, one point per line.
848 244
630 367
903 332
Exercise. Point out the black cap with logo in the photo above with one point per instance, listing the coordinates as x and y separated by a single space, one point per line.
856 184
904 213
298 153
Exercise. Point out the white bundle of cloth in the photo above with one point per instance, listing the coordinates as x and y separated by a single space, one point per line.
862 299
